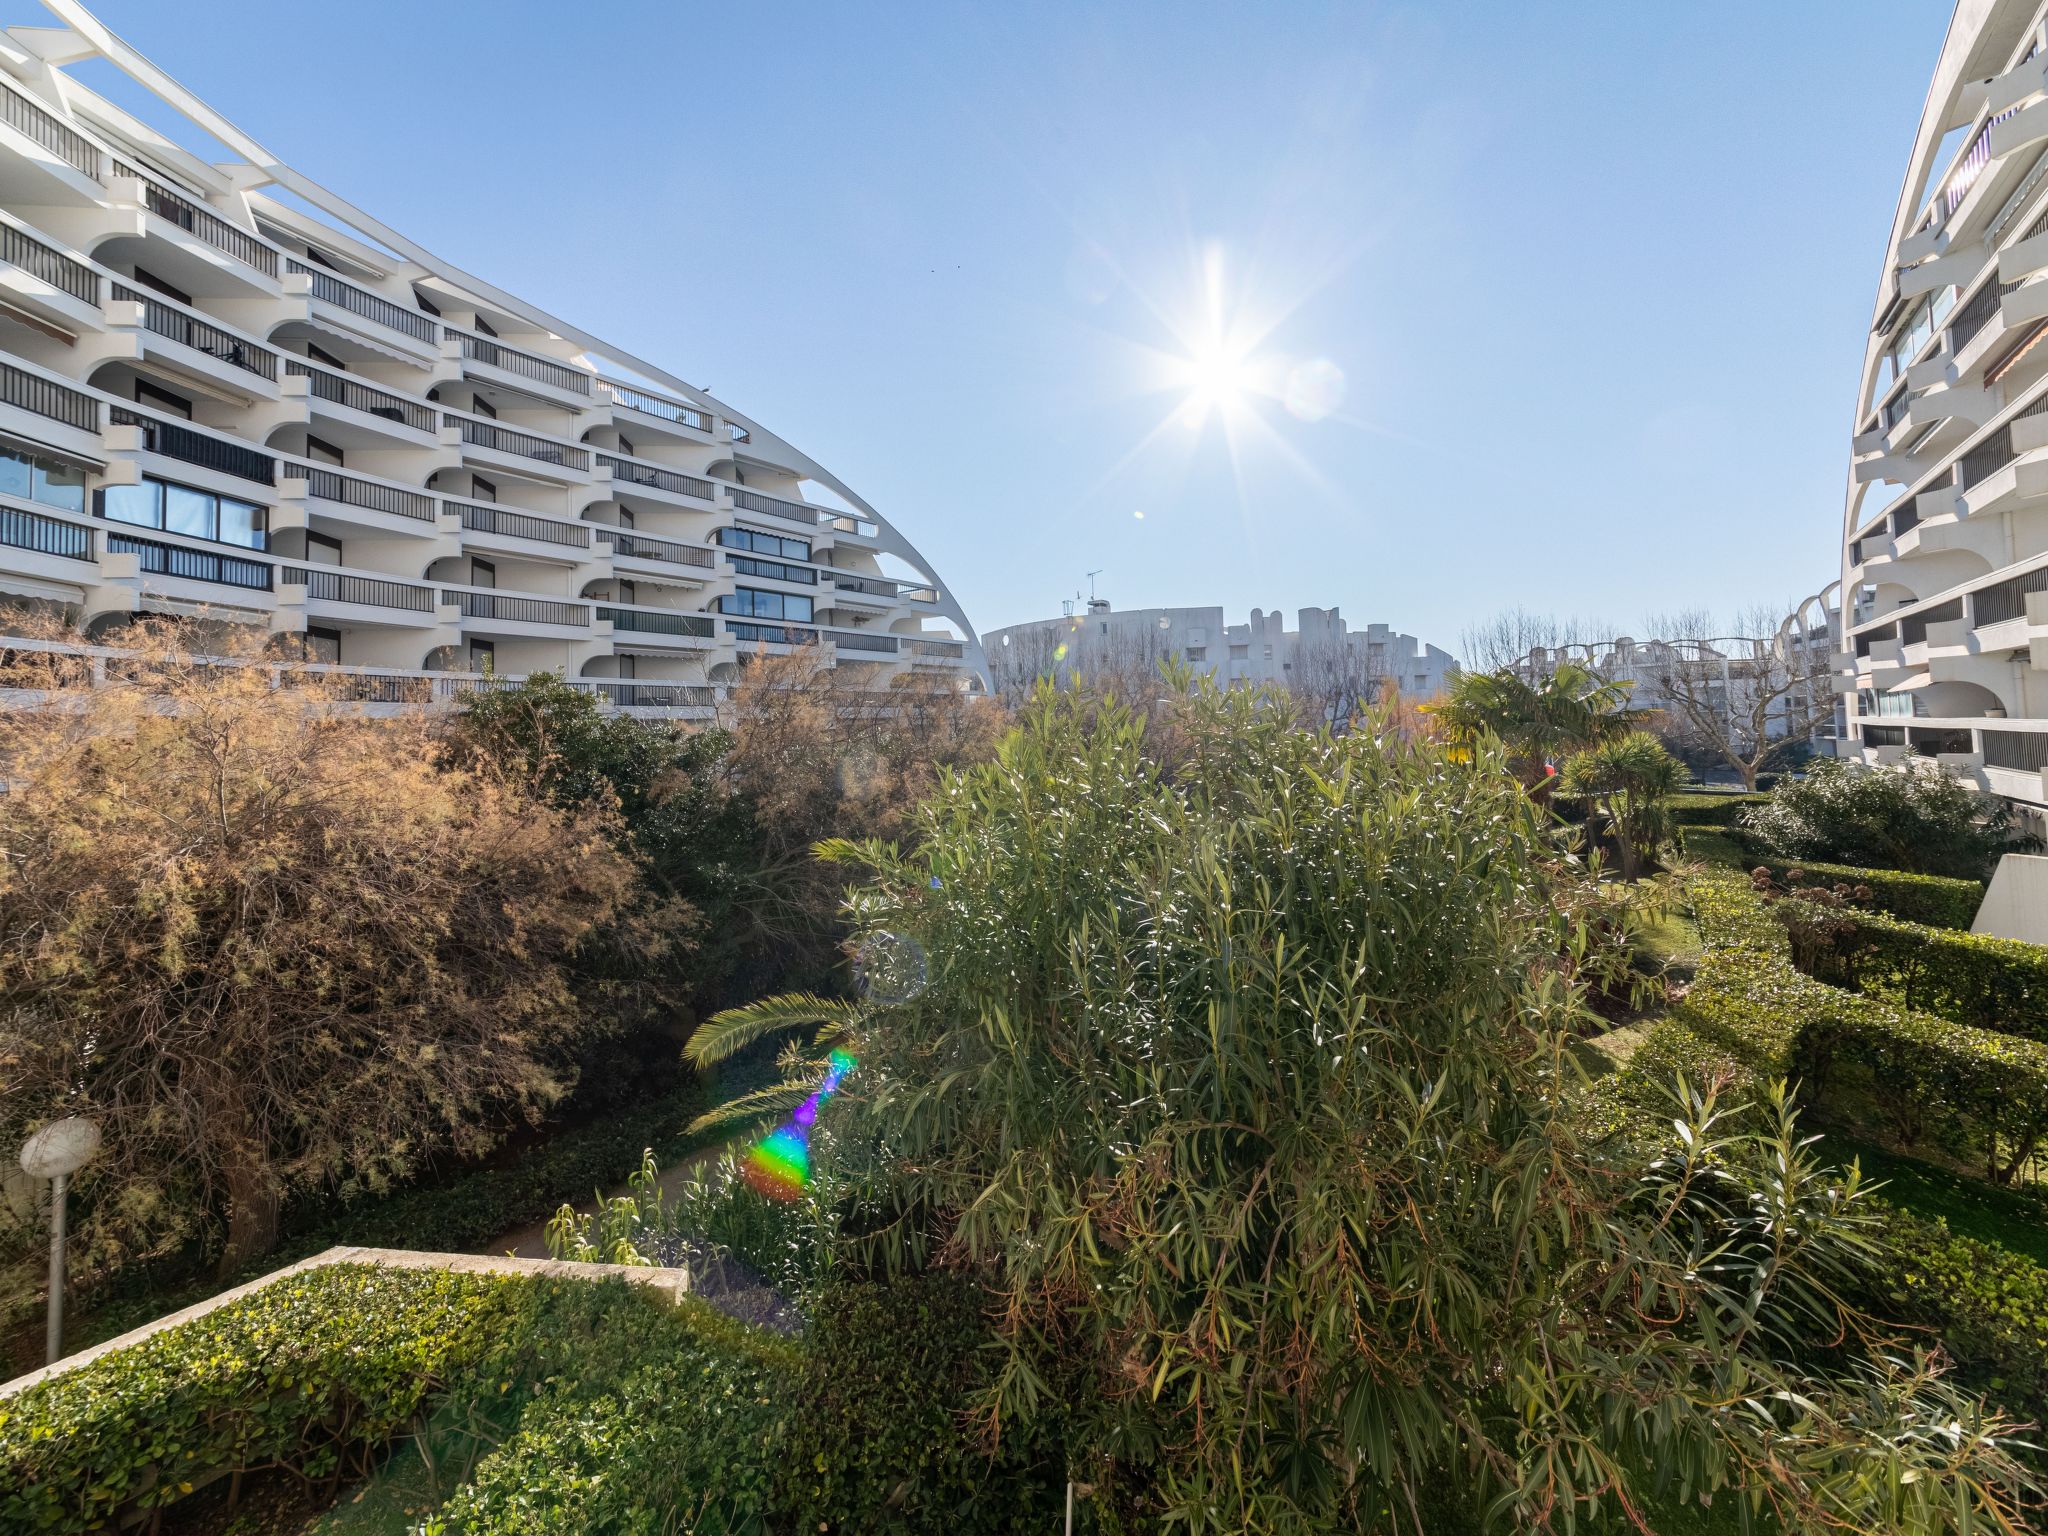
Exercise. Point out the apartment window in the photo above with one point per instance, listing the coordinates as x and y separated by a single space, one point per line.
482 573
151 280
181 509
764 543
751 602
323 550
625 519
625 444
320 354
147 393
483 656
1197 653
321 644
629 666
1269 653
628 592
320 451
483 490
35 478
1240 653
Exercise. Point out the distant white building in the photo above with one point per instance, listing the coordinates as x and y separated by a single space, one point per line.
1321 658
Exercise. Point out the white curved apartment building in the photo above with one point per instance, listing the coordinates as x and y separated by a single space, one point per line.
212 402
1945 539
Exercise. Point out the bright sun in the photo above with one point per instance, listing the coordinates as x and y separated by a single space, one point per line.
1218 378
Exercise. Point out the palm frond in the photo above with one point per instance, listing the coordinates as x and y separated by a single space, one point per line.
725 1034
758 1107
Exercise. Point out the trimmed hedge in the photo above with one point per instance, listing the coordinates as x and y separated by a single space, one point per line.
314 1373
1936 900
1707 809
1975 979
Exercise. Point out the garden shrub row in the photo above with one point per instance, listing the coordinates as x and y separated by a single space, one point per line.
600 1399
1977 979
1707 809
1936 900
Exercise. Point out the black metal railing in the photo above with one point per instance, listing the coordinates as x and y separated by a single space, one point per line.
518 610
68 145
738 433
747 633
1913 630
332 485
29 392
640 547
854 640
2025 751
1971 166
869 585
1985 460
44 535
190 330
632 694
1907 516
480 518
192 564
49 264
640 622
795 512
655 405
339 389
485 434
364 591
329 289
208 452
656 479
526 365
2006 600
207 225
950 649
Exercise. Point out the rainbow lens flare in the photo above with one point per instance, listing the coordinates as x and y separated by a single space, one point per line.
779 1164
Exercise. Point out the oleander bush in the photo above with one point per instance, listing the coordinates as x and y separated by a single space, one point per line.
1923 823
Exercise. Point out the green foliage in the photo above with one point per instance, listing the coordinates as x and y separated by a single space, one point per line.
1709 809
1629 776
1241 1078
1924 823
314 1373
1537 723
1991 983
1935 900
877 1437
674 1424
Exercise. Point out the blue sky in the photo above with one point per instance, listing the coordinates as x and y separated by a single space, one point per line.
1595 276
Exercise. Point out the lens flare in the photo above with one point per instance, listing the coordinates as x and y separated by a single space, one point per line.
1314 389
779 1164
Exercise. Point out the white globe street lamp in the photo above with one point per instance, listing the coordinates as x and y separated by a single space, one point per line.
56 1152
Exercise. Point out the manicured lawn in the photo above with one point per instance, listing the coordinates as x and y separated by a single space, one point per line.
2016 1219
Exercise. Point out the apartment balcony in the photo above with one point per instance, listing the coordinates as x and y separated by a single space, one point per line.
47 285
495 529
662 559
490 360
38 408
365 598
2020 481
142 326
490 446
358 413
516 615
653 409
41 548
46 160
224 464
782 510
657 484
335 304
195 233
688 701
1962 403
943 655
142 574
658 629
359 501
859 595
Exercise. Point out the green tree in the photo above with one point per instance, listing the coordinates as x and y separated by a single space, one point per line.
1241 1085
1629 777
1538 723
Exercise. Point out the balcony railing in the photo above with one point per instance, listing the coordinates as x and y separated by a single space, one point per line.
29 392
68 145
518 610
332 485
192 564
190 330
485 434
208 226
1971 166
641 622
480 518
526 365
629 693
950 650
655 405
738 433
44 535
656 479
640 547
363 591
339 389
748 633
208 452
857 640
329 289
795 512
49 264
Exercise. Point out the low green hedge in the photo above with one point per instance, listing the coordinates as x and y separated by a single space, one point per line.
313 1373
1976 979
1708 809
1935 900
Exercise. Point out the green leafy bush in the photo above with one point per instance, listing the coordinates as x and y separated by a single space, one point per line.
1924 823
877 1438
1935 900
1708 809
315 1373
1976 979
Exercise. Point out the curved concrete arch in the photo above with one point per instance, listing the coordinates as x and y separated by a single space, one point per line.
261 168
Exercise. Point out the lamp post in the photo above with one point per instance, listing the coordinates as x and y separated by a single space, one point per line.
56 1152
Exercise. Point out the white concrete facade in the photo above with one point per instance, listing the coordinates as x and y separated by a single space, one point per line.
1945 528
1322 656
214 401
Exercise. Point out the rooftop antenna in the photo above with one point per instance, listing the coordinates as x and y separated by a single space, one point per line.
1091 581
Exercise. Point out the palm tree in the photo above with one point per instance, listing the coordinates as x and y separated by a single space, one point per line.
1629 776
1539 723
726 1034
